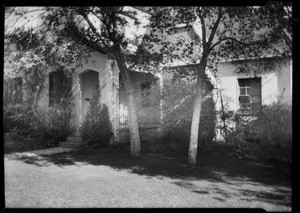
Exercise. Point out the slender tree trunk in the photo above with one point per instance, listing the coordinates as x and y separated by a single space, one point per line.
192 156
223 117
135 144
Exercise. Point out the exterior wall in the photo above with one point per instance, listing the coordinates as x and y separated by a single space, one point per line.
276 85
147 114
149 117
285 83
109 86
272 84
269 88
99 63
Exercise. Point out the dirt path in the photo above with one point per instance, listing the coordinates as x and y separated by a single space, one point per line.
115 180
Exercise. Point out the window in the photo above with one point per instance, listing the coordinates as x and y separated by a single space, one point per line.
60 86
123 115
13 90
145 92
250 93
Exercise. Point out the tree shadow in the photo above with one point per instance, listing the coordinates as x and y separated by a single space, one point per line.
215 169
278 198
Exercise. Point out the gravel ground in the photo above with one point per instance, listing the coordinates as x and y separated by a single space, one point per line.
115 180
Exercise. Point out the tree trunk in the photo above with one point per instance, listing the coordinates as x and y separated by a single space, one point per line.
192 156
135 144
223 117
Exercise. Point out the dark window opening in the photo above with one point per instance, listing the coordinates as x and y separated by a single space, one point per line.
145 92
250 94
60 87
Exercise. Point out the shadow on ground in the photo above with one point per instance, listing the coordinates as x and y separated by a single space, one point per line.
211 168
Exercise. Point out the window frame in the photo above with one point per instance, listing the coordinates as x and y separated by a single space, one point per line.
250 85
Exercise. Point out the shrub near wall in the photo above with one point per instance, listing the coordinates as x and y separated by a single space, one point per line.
36 128
273 125
266 135
58 118
96 128
24 125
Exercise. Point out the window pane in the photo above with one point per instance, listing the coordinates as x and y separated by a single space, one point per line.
242 91
244 99
242 82
248 91
256 99
255 91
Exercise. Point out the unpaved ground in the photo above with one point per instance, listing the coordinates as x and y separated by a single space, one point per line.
116 180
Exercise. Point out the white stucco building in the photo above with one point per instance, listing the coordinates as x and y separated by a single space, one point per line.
252 91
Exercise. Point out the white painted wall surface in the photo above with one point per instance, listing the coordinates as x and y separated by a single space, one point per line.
229 89
272 87
98 62
272 83
269 90
285 83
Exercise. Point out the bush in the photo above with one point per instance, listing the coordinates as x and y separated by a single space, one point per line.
58 118
24 124
36 128
96 128
273 125
266 135
10 113
253 151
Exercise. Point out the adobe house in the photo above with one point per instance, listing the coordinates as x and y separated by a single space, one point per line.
247 93
240 89
97 70
105 74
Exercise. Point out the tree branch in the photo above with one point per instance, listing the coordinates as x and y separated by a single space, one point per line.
94 30
203 28
218 42
88 39
215 27
248 45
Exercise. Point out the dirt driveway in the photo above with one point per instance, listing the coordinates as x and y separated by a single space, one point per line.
116 180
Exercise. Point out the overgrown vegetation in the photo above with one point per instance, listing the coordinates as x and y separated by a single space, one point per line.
58 121
96 128
265 135
35 128
23 125
29 123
